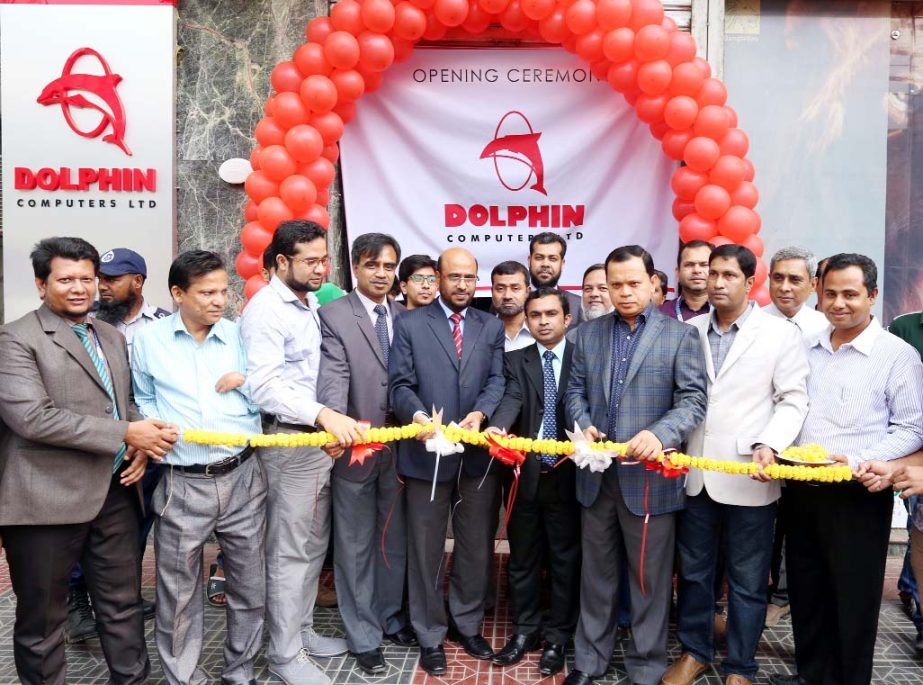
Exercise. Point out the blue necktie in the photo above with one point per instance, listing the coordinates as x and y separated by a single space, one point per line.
550 418
82 331
381 328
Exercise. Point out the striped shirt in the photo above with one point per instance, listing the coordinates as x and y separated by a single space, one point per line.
174 379
720 341
866 398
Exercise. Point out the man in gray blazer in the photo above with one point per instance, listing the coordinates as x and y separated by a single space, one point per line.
71 455
370 561
448 355
637 377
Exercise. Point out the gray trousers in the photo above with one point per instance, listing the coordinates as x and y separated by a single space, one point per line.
610 533
370 563
474 523
297 535
189 508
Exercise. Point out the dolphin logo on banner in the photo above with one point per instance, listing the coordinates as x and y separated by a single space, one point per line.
520 147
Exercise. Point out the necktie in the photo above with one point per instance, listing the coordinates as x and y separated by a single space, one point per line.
82 331
381 328
550 418
456 320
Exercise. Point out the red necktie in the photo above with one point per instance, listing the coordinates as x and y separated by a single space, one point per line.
456 319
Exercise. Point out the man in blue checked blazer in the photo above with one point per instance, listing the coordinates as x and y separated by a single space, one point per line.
637 377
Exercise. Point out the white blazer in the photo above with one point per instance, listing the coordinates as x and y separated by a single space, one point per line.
759 396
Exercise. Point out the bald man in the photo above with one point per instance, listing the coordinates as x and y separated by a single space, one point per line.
448 355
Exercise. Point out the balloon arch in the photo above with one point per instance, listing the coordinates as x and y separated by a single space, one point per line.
629 43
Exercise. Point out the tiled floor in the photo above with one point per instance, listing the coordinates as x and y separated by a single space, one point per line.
896 662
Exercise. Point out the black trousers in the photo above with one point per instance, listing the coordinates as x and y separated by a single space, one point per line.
836 549
546 526
41 559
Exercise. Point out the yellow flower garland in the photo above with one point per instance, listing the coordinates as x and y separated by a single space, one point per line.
808 453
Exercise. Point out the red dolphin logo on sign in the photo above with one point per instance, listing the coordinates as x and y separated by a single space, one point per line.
60 92
525 145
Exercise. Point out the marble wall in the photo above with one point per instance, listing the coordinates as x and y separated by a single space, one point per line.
227 50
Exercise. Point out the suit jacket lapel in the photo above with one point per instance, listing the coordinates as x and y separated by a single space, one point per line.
604 352
473 327
565 370
366 326
745 337
706 348
652 328
535 372
66 338
440 325
110 348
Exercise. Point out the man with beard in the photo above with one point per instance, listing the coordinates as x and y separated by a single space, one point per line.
509 286
692 279
546 262
595 301
282 333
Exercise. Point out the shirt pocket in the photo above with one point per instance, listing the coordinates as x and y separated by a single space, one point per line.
296 349
848 406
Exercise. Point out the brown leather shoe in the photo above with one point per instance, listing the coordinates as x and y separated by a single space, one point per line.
735 679
684 671
326 597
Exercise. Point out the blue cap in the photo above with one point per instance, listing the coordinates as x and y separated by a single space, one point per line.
121 261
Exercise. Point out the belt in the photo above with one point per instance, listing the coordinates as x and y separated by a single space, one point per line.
272 421
219 468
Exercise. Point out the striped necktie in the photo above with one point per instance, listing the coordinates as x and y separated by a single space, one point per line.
550 416
456 320
83 332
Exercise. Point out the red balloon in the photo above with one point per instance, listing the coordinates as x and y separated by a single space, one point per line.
250 211
590 46
298 192
751 170
434 29
477 20
276 162
580 17
321 171
342 50
738 223
329 125
728 172
494 6
654 77
745 195
536 9
754 243
255 158
687 80
682 48
331 152
323 197
674 143
694 227
761 295
269 107
378 15
272 212
255 283
682 208
623 76
259 186
409 21
372 79
735 142
349 84
255 238
761 273
686 182
451 12
704 67
649 108
512 18
619 45
712 122
732 116
423 4
659 128
669 24
346 111
613 14
600 69
304 143
286 77
289 110
720 240
701 154
713 92
318 29
652 43
309 58
644 12
712 201
318 215
680 112
247 265
376 52
268 132
552 27
632 95
346 15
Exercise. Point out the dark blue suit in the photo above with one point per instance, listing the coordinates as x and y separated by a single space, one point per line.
425 372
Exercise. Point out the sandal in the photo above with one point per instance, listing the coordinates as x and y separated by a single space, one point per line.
214 591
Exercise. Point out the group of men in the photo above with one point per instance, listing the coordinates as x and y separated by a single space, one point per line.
709 373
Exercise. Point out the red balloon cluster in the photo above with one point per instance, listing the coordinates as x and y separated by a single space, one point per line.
630 43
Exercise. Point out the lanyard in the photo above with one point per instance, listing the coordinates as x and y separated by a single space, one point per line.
679 311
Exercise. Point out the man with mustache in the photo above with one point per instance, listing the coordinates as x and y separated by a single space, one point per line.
546 262
692 278
595 301
509 286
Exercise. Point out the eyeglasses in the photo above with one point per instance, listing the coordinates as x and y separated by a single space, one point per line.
455 279
310 262
418 279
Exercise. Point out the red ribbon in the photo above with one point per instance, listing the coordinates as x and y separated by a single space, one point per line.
362 452
510 457
665 468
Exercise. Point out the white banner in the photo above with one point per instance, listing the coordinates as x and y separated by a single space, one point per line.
88 117
484 148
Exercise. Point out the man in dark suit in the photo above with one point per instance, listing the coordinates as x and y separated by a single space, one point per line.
546 262
545 517
448 355
71 455
637 377
370 562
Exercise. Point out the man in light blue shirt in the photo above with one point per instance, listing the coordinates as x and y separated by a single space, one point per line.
190 367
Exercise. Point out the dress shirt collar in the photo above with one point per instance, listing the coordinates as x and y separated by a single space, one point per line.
216 331
449 312
370 305
147 311
557 350
643 317
288 296
864 342
738 322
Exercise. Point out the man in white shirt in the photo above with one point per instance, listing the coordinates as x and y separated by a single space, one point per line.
509 287
791 283
281 331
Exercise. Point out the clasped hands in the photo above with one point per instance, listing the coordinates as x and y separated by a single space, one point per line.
880 475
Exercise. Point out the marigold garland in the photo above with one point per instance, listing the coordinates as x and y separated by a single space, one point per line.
807 453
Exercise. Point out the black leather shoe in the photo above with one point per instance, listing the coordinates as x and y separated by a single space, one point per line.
371 662
552 660
785 679
514 650
432 660
405 637
476 646
576 677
